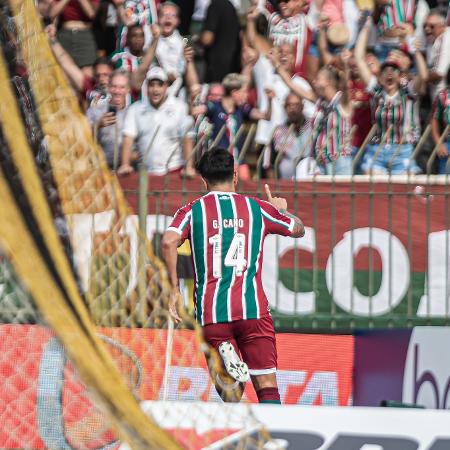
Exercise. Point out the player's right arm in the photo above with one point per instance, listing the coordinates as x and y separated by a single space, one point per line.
174 236
295 227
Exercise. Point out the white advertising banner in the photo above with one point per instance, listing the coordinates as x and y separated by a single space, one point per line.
311 428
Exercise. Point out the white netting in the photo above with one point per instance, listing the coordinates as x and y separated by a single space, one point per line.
43 403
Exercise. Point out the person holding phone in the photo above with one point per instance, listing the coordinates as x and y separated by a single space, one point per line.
107 118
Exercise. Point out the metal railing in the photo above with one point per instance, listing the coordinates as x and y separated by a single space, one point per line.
376 252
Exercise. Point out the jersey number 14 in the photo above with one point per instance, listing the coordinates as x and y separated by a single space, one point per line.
235 256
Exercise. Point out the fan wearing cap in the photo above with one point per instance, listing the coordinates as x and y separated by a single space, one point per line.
158 127
394 112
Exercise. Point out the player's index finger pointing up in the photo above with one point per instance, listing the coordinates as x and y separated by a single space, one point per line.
268 193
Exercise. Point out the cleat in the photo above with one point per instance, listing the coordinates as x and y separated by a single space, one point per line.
236 368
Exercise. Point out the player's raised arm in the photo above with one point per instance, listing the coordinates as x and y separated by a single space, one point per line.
298 229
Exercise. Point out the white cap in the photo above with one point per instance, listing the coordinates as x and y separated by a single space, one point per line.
157 73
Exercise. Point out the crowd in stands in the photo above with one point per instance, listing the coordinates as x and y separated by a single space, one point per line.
303 87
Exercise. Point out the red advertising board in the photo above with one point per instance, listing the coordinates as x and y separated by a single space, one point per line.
43 404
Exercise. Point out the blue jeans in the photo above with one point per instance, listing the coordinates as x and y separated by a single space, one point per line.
342 166
386 162
357 169
443 168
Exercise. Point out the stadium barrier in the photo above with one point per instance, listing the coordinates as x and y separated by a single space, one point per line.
313 370
411 367
327 428
376 251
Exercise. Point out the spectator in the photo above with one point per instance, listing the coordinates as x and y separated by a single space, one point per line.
186 8
289 26
394 21
107 118
158 126
290 140
341 18
131 56
360 98
94 89
136 12
105 28
170 48
394 110
438 51
264 75
231 112
75 34
439 122
221 40
215 92
139 75
331 127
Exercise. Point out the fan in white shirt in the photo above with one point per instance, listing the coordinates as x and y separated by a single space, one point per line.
438 51
264 75
169 50
159 127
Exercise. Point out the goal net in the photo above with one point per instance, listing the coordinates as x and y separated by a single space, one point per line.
89 358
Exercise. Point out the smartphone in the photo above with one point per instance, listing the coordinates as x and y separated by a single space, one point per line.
112 109
187 40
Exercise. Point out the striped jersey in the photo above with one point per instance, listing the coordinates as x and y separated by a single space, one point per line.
294 31
400 112
331 130
441 110
125 60
226 232
139 12
396 13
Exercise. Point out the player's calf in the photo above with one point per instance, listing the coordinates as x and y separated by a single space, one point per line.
266 388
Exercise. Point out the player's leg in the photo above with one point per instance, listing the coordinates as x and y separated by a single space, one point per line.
228 388
266 388
256 341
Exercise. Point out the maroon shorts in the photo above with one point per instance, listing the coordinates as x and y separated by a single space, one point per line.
253 339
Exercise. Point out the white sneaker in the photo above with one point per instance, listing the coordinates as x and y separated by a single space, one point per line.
235 367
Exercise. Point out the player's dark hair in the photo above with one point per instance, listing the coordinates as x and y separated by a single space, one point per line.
216 166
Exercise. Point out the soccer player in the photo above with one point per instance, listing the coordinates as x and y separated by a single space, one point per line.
226 232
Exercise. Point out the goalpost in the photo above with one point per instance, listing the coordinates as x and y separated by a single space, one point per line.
87 349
